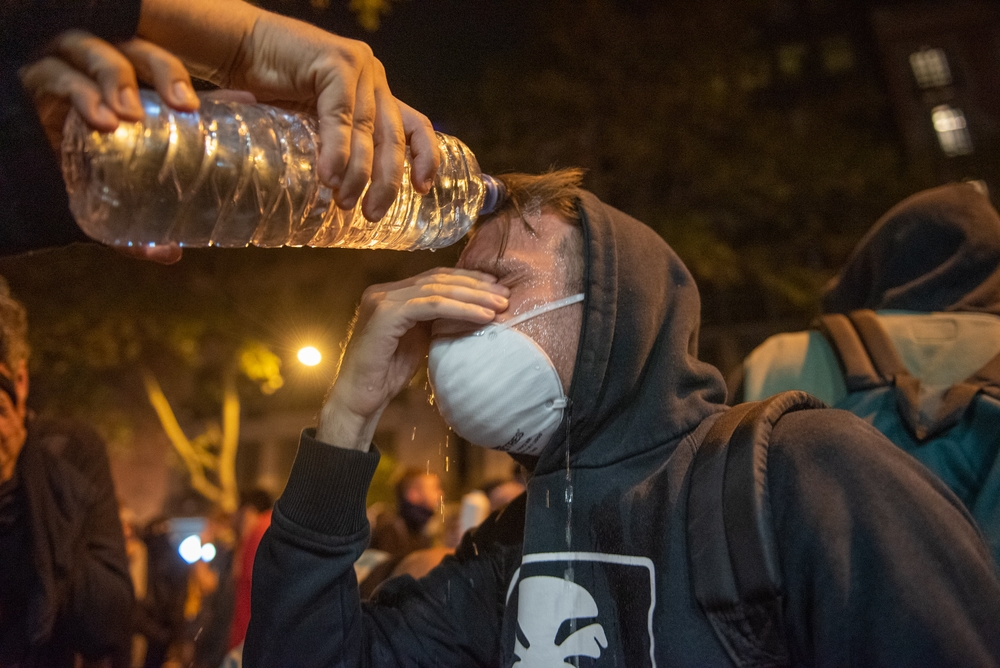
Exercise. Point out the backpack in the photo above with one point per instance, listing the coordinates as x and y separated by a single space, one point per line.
735 574
955 433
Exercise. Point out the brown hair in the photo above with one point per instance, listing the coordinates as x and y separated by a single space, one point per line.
13 329
557 192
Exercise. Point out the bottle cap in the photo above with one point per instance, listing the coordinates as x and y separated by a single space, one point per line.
495 195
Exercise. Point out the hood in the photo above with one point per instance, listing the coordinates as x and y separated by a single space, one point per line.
938 250
637 383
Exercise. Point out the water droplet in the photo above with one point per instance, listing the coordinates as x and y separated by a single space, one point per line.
428 467
371 388
414 435
569 494
546 498
445 464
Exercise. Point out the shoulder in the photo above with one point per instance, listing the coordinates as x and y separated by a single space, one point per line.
826 462
793 361
69 440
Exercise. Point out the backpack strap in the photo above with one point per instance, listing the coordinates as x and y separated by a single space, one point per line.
860 335
959 396
855 362
733 559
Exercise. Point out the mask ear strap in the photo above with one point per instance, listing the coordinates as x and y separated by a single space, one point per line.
544 308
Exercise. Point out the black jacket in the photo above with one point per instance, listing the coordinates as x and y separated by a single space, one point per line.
881 565
34 209
79 594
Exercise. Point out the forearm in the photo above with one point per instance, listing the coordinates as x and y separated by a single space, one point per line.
305 596
209 37
306 606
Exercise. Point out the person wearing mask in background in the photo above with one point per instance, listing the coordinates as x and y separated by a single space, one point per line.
90 55
567 335
159 616
65 589
418 498
254 519
400 533
910 341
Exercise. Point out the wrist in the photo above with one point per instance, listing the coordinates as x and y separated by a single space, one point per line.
209 37
343 428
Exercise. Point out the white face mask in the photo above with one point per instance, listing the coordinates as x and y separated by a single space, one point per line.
497 388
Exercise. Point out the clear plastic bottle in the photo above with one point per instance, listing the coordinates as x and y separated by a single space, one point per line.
236 174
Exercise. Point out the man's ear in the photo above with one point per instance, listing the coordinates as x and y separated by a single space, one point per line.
21 386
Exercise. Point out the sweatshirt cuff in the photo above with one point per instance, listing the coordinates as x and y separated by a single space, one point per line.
327 487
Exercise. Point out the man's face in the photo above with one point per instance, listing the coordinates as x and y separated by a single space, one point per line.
536 266
425 491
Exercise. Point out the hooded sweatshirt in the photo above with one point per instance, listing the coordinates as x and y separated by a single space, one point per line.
930 269
590 567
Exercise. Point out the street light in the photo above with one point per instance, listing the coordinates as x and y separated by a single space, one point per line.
310 356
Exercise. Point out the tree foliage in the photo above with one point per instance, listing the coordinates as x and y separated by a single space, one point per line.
683 118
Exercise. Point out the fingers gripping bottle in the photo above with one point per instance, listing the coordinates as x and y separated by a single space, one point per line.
236 174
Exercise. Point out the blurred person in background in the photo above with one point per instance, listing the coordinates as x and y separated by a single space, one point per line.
406 530
910 342
159 617
212 594
418 498
65 589
502 492
138 568
254 518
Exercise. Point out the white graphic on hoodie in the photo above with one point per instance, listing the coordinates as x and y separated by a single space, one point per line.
546 603
575 608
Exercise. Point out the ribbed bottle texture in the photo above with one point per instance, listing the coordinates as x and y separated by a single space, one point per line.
236 174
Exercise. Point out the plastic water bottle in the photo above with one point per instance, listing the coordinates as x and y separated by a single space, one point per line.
236 174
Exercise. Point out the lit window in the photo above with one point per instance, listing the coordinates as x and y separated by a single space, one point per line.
930 68
952 130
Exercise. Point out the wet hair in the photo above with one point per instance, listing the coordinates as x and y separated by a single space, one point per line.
555 192
13 329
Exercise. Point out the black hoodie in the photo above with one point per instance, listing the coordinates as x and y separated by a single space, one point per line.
938 250
881 564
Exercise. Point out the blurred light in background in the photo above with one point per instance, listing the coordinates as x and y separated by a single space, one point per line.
310 356
190 549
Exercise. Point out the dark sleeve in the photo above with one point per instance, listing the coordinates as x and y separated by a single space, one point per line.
882 564
102 595
34 209
306 608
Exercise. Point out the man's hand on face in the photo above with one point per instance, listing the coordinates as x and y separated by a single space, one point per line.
390 339
12 436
